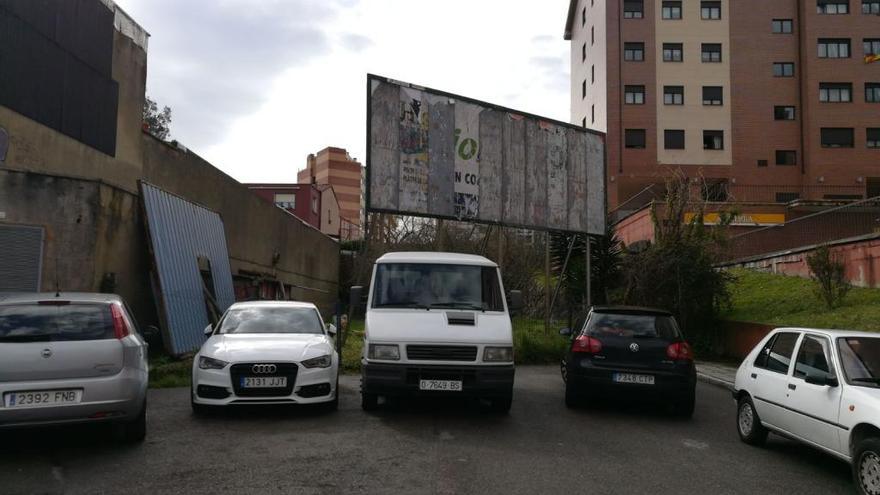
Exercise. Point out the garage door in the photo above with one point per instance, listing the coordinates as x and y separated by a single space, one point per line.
21 263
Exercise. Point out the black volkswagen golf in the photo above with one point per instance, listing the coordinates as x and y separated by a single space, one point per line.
636 353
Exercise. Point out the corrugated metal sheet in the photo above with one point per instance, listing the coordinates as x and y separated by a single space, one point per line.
180 232
21 263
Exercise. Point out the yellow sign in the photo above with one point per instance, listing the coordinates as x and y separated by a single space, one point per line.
872 58
743 219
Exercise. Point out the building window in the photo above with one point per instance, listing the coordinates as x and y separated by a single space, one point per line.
710 10
584 89
634 52
783 113
635 138
711 52
713 95
833 48
762 163
584 17
871 7
673 95
593 74
871 46
713 140
786 157
584 53
671 10
592 35
286 201
783 69
673 52
837 137
832 6
873 137
634 95
584 122
872 92
673 139
633 9
314 205
835 92
783 26
593 113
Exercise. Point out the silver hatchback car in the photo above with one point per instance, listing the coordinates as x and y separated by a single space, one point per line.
71 358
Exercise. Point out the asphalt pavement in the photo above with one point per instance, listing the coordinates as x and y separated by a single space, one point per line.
422 447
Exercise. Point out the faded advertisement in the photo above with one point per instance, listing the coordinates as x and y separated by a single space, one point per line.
440 155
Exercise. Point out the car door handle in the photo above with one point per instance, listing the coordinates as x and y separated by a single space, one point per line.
755 376
792 386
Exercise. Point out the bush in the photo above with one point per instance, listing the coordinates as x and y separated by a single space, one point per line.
830 274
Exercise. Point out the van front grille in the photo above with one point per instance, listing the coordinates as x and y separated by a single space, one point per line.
441 353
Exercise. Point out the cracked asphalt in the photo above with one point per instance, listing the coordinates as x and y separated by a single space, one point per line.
421 447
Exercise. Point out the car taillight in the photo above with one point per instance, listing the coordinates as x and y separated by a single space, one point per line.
680 351
120 328
587 344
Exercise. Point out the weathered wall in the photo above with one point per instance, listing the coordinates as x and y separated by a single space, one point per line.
255 229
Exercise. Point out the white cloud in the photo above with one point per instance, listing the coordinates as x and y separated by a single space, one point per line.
256 87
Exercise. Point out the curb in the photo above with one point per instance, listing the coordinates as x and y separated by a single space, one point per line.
718 382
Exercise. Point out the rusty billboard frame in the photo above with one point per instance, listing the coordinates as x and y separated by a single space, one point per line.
589 188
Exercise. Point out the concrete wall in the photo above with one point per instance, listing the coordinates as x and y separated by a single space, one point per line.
255 229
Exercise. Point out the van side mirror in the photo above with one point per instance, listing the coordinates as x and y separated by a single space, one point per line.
331 329
354 298
565 332
820 379
514 300
209 330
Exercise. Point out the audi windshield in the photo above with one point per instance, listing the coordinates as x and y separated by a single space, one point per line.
271 320
428 286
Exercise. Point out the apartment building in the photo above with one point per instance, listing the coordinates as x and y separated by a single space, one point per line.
769 101
334 166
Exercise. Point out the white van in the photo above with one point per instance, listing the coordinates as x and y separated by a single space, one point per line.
437 324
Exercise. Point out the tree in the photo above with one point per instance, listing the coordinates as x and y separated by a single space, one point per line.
155 122
677 271
830 273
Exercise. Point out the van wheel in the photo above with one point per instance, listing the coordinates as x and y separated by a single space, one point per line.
748 424
134 431
866 467
369 402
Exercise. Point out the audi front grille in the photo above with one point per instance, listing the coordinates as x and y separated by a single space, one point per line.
237 371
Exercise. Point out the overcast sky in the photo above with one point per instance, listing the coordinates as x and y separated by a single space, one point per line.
257 85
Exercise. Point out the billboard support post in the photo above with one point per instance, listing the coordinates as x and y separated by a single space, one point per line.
589 263
547 283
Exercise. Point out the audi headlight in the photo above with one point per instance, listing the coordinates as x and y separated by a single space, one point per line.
498 354
207 363
384 352
318 362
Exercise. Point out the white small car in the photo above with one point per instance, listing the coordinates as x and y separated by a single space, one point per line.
819 387
270 352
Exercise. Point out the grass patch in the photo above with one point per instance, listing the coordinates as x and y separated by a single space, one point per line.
167 372
532 345
791 301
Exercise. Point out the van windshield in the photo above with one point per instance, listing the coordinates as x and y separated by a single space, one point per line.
423 285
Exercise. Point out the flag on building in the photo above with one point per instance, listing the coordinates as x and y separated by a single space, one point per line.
872 58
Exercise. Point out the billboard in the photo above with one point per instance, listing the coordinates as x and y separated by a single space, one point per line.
435 154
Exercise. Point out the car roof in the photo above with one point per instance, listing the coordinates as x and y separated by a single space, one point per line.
435 257
272 304
630 310
832 333
76 297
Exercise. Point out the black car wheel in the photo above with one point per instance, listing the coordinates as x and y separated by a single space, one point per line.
866 467
748 424
685 406
572 396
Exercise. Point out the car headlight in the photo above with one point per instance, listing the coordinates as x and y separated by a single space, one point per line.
207 363
384 352
318 362
498 354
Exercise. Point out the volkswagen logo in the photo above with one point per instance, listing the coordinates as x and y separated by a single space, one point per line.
264 368
47 353
634 347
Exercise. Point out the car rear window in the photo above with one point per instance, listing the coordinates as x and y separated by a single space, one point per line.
632 325
271 320
54 323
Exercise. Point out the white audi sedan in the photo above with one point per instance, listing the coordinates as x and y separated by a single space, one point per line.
819 387
274 352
